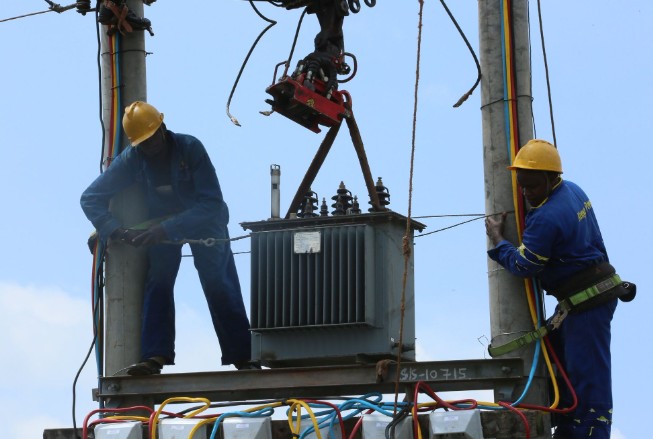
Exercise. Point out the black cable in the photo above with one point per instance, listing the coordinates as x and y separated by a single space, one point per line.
464 97
396 419
242 67
96 306
546 70
530 71
99 74
294 41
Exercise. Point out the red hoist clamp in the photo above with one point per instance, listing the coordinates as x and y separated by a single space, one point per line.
309 108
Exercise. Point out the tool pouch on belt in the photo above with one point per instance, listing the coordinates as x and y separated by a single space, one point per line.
594 277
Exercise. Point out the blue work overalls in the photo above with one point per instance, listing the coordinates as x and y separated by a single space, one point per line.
561 238
193 208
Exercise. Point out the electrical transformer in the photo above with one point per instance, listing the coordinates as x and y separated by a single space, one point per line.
329 290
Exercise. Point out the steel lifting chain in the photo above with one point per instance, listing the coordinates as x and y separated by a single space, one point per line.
207 242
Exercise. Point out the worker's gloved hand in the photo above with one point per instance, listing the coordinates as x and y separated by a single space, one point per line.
494 227
126 236
151 236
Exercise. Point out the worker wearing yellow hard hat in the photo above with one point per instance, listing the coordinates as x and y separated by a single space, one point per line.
562 247
185 204
140 121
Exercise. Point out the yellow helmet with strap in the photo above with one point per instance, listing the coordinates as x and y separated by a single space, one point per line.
140 121
538 155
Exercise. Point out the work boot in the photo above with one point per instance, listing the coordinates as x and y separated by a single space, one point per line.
151 366
247 365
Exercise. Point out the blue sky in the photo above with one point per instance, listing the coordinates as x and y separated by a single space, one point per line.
600 67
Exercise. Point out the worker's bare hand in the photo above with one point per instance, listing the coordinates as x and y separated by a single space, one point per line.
151 236
494 227
126 236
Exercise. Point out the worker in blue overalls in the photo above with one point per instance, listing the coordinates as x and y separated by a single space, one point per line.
562 247
185 201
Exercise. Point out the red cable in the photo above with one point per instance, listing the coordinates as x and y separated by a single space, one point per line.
567 382
153 414
358 425
441 403
337 410
119 410
521 415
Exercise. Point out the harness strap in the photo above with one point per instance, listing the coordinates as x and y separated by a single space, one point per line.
589 293
517 343
566 305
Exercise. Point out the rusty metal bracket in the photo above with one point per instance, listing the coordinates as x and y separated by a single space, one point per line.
321 154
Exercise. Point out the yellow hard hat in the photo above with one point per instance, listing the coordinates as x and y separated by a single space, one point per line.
538 155
140 121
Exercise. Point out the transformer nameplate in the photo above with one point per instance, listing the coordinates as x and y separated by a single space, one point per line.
307 242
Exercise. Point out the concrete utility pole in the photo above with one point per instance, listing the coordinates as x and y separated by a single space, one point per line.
125 266
509 312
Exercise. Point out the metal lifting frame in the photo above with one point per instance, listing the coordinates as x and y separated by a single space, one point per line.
321 154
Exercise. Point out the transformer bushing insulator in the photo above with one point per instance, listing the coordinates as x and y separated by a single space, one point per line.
324 209
308 206
355 207
342 200
383 194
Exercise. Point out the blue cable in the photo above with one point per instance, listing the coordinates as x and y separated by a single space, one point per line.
356 405
506 110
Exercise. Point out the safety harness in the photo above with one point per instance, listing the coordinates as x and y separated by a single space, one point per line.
609 288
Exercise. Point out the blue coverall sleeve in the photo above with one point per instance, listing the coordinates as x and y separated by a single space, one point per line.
207 204
95 199
531 256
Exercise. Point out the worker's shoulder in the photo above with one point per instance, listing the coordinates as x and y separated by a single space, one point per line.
188 144
186 139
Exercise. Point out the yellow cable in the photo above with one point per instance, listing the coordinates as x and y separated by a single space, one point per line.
530 294
201 423
297 406
155 419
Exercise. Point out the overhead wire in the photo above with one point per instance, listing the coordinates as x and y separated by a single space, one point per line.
54 7
477 217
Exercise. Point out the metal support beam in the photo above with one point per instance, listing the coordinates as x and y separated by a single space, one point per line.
317 382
